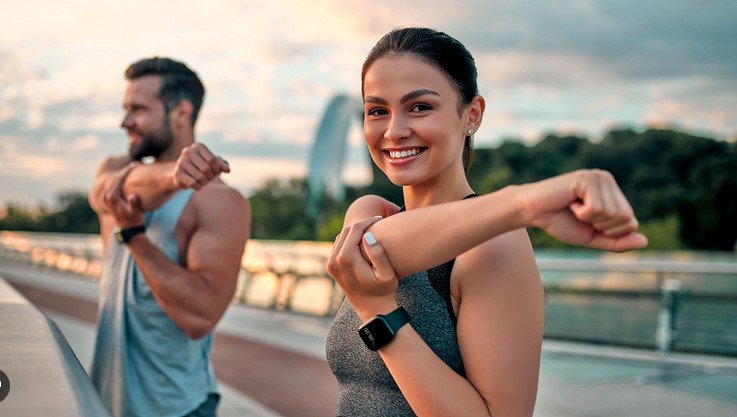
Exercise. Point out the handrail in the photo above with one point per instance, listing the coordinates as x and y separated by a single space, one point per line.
644 265
46 379
281 252
675 293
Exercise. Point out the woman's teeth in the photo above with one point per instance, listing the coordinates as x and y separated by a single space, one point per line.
403 154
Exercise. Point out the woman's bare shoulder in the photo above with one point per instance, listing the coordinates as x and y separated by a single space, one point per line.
507 256
369 206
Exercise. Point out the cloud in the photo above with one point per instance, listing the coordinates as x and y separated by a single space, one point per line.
270 69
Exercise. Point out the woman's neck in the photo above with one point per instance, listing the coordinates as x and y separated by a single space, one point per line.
442 189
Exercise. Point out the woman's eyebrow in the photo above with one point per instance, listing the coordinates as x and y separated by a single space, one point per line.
418 93
373 99
407 97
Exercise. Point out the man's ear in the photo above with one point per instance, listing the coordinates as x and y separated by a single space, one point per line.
182 113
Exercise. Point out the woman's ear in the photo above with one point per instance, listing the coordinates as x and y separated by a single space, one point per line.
476 113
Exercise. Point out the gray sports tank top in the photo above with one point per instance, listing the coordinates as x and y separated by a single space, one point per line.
365 386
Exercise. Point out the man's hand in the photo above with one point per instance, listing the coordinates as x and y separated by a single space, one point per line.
126 211
197 166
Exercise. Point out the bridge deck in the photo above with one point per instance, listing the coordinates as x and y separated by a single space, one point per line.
272 363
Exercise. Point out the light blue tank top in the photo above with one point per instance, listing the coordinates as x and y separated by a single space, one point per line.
144 364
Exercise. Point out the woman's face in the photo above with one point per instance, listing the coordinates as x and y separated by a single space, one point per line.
412 126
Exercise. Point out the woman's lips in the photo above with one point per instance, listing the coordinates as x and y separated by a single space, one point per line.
403 156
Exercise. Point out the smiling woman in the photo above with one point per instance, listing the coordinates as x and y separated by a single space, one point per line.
398 103
446 287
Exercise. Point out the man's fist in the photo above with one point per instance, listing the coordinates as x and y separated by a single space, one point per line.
197 166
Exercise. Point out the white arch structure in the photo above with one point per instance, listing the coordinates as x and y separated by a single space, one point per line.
330 145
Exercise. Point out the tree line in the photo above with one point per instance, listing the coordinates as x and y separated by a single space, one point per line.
683 188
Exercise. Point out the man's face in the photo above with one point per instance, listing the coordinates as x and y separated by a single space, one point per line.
146 121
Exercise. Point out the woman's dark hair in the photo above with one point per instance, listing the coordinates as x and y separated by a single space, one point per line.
178 82
442 52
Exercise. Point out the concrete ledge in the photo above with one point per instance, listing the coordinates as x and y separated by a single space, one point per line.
46 379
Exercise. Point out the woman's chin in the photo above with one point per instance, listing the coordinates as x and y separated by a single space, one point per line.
402 179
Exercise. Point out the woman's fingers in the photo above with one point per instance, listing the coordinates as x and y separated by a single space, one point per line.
618 244
346 247
596 205
356 231
603 205
599 216
351 246
382 268
333 265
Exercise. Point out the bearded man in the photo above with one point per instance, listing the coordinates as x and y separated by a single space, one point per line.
173 235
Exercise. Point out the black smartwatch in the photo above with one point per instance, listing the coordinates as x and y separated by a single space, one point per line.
380 330
124 236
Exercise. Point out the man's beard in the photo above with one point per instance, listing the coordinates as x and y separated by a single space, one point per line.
153 144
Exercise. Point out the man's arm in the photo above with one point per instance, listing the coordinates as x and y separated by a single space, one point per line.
155 183
194 296
108 174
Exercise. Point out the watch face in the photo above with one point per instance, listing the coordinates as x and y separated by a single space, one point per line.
376 333
118 235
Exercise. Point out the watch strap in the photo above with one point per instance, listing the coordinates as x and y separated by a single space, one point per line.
397 318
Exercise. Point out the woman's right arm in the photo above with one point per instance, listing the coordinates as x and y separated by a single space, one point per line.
584 208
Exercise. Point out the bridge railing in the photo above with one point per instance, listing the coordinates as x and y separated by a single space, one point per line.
685 306
680 305
37 359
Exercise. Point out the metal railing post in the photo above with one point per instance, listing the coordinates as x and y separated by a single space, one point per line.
669 289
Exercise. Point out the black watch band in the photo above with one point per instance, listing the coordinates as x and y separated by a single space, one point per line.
380 330
125 235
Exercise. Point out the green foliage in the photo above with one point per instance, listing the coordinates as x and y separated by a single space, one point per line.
18 218
708 211
74 216
331 227
683 189
662 233
279 211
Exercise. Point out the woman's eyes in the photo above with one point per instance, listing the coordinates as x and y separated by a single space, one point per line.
415 108
420 107
375 112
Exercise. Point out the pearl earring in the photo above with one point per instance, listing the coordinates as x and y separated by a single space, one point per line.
470 132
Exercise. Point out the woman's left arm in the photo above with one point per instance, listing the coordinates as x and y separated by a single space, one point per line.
500 324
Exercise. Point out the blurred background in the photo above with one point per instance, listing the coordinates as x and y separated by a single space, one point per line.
644 90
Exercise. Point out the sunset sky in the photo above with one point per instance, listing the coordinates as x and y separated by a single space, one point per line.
270 68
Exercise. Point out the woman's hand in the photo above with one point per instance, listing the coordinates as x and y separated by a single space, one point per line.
369 282
585 208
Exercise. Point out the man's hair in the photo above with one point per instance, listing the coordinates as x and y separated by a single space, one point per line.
178 82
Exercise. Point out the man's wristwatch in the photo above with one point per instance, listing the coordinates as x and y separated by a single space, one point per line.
380 330
124 236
